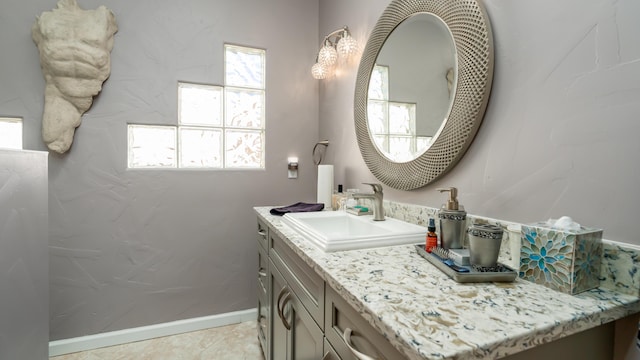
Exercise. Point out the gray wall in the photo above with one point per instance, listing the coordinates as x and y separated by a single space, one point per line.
24 255
560 133
133 248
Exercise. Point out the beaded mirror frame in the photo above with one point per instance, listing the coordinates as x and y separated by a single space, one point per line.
469 25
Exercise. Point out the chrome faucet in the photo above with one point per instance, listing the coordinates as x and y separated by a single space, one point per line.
376 196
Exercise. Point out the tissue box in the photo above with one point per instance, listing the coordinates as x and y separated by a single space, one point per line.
563 260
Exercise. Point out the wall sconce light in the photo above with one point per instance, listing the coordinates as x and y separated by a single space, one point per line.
338 44
292 167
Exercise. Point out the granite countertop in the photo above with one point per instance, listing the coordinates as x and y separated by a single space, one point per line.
426 315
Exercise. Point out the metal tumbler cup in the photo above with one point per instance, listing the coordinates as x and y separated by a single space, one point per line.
484 244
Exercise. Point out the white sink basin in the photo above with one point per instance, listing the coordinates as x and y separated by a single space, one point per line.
339 230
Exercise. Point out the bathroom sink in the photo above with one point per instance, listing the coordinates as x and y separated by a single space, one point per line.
339 230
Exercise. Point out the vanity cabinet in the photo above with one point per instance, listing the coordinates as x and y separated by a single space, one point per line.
295 309
290 302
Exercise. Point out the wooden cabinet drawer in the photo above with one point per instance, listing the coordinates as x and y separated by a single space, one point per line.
263 234
263 271
303 280
340 317
263 324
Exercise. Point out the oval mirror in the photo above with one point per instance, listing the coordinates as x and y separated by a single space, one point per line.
422 88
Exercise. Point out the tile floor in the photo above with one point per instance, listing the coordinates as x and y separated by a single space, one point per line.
232 342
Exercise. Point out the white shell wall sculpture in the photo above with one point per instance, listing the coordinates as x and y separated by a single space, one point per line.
75 47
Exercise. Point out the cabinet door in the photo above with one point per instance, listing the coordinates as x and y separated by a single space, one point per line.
279 333
305 337
294 333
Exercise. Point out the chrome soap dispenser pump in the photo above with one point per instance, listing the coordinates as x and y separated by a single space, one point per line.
453 220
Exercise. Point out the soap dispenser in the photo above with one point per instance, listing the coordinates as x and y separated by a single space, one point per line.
453 220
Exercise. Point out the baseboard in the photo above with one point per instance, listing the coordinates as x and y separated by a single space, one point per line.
89 342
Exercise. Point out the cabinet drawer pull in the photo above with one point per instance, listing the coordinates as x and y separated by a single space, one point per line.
283 317
281 303
347 339
262 272
280 295
261 321
262 233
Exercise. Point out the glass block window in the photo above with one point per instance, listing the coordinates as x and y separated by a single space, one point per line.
244 118
200 105
219 127
152 146
200 147
10 133
244 67
392 124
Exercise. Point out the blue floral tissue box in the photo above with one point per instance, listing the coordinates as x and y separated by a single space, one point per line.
563 260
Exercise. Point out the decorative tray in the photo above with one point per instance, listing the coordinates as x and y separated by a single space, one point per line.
468 273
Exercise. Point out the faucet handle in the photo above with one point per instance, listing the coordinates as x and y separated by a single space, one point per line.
377 188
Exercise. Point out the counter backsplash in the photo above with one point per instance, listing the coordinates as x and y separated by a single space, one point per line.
619 261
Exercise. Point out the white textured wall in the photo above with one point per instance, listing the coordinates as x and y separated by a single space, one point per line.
560 133
133 248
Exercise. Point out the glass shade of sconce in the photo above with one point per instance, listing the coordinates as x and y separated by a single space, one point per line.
319 71
339 44
328 55
347 46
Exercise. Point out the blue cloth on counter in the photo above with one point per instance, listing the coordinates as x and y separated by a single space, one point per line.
297 207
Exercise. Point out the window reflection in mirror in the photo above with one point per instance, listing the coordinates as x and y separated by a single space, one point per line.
392 124
411 87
